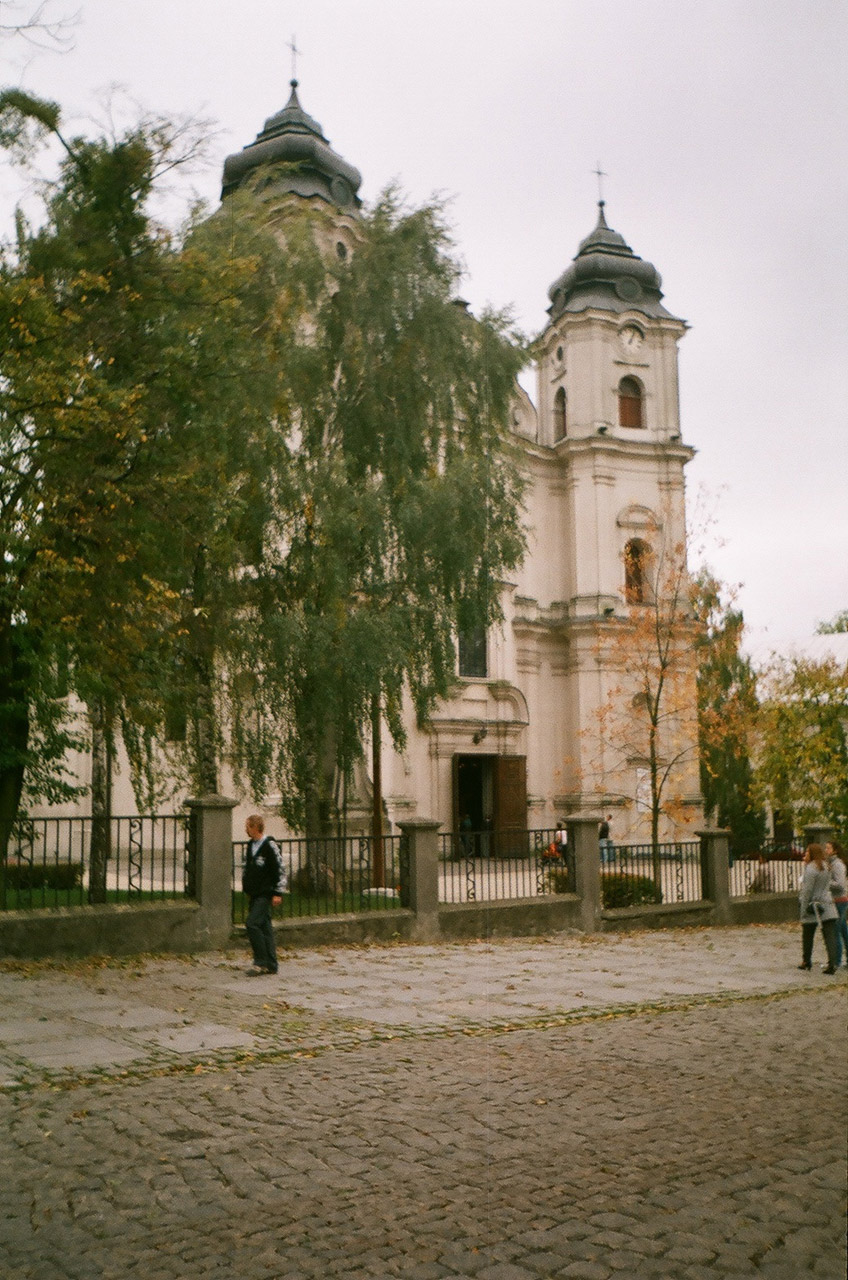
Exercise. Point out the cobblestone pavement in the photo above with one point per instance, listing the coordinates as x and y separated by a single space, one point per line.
683 1129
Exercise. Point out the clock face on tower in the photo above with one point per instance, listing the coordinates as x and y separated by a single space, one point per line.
631 338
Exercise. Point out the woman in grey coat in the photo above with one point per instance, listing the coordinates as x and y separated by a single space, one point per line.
817 908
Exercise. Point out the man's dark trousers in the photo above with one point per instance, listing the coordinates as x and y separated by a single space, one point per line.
261 933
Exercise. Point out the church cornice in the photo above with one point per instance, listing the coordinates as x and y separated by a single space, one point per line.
601 444
558 331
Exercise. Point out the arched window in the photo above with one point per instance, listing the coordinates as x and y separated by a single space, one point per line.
630 403
637 562
560 421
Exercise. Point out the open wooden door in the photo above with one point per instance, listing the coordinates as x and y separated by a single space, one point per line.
510 795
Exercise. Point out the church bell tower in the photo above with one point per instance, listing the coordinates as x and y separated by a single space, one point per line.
608 409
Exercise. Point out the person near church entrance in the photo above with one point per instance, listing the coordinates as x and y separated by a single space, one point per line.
604 840
817 908
466 836
261 884
835 857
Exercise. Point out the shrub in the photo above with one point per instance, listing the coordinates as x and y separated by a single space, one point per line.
620 890
60 876
558 880
310 880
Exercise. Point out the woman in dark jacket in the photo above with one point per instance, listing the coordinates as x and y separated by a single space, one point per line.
817 908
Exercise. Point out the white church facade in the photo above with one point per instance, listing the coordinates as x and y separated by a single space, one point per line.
603 453
518 745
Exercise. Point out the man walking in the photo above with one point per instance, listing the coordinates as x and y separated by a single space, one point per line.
261 883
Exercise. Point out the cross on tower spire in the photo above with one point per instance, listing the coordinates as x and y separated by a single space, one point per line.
292 44
600 176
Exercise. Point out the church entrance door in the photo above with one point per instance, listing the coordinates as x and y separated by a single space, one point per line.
490 799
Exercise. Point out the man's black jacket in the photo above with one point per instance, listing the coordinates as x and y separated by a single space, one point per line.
261 876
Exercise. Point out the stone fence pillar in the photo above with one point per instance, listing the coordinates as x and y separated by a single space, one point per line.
211 866
585 847
715 871
819 833
420 883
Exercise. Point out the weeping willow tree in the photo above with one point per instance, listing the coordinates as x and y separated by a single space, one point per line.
395 516
244 485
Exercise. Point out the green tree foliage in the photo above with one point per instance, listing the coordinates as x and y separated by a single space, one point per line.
803 760
244 485
402 511
135 399
837 625
727 717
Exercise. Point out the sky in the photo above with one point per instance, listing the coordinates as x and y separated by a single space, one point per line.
721 126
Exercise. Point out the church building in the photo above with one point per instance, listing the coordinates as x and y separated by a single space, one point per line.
534 732
519 743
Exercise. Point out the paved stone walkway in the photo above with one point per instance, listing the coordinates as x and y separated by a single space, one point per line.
670 1104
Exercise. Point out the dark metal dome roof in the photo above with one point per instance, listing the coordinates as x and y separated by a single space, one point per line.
299 160
607 274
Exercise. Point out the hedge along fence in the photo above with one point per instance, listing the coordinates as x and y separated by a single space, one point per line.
59 878
619 890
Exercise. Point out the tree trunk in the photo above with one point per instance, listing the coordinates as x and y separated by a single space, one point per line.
100 849
203 717
378 862
14 730
656 798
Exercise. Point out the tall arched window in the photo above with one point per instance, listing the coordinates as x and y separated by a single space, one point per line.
473 653
630 403
637 562
560 419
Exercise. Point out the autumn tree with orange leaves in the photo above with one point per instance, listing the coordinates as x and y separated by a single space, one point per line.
647 720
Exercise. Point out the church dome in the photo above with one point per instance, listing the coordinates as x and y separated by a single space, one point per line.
297 159
607 274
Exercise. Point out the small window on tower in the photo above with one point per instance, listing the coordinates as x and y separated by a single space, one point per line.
637 563
630 403
560 418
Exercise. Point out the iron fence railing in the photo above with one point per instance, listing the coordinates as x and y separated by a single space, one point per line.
487 866
65 862
639 874
329 876
766 874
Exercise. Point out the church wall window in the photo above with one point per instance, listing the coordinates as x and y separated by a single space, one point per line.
473 653
560 415
637 564
630 406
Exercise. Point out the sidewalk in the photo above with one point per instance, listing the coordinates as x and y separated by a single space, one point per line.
84 1018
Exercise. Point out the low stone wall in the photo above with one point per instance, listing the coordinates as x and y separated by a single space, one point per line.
363 926
108 930
765 908
517 918
671 915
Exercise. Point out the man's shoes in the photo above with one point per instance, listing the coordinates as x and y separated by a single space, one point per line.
805 965
259 971
828 969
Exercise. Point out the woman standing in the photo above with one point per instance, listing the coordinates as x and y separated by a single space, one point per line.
835 856
817 908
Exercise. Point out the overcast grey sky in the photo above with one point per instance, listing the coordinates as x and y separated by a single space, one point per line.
722 126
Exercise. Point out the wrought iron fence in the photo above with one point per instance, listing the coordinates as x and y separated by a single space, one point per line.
65 862
639 874
488 866
329 876
774 871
